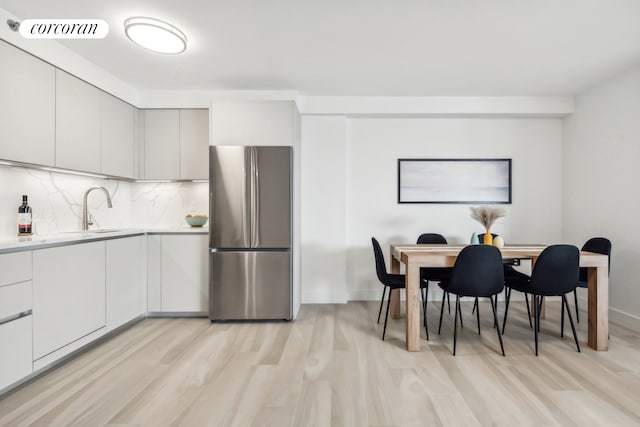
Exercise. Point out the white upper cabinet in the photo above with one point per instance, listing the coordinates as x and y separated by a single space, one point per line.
194 144
27 107
117 137
253 123
176 144
161 144
77 124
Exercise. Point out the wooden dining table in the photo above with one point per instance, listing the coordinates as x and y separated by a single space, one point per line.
415 256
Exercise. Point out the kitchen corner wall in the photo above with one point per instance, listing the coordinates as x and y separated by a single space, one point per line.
56 200
349 176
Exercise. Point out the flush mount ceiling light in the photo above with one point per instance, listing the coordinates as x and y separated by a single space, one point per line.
155 35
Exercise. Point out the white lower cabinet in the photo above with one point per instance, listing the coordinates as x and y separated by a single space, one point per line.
16 358
68 295
125 280
16 355
178 273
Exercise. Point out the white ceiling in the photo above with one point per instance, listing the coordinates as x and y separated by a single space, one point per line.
366 47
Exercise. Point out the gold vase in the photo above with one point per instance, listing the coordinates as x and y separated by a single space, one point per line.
488 239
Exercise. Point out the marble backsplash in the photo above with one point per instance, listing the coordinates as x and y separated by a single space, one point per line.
56 200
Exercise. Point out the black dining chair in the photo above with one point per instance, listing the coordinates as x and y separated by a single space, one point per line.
598 245
510 273
476 273
433 274
390 281
555 273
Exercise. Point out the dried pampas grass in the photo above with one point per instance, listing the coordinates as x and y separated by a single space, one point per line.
487 215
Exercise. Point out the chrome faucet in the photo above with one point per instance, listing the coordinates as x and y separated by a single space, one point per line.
85 212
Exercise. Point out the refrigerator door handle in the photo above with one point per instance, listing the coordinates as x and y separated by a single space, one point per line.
247 200
255 200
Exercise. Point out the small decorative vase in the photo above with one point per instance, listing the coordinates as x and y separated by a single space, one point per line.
498 242
488 239
474 239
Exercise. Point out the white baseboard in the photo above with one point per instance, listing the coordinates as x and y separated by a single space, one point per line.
616 316
324 297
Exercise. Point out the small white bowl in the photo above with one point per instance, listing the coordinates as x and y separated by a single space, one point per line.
196 221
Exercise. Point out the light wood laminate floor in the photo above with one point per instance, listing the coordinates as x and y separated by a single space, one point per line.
330 367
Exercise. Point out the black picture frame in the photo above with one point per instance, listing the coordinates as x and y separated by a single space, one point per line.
456 181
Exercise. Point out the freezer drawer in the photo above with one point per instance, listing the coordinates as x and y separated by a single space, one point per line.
250 285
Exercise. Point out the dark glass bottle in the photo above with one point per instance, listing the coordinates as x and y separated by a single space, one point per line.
25 219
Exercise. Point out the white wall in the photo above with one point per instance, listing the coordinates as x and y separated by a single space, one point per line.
324 249
600 184
350 190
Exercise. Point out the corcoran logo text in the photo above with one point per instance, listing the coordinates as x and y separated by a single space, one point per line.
64 28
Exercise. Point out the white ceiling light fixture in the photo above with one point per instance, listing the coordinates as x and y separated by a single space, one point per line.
155 35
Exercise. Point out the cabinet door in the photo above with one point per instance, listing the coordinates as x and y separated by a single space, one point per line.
184 273
253 123
154 273
117 137
27 107
16 359
125 280
68 295
77 124
194 144
161 144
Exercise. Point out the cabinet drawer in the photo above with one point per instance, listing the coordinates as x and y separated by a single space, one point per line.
15 299
16 360
15 267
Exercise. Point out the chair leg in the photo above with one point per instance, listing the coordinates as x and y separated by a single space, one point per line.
495 324
536 315
562 319
384 290
475 305
575 297
460 312
495 319
540 299
448 303
384 331
478 314
573 327
526 300
455 324
441 312
506 308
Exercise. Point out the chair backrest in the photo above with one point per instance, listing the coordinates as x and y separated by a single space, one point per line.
381 268
431 238
598 245
477 272
556 271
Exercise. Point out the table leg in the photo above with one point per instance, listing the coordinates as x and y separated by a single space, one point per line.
413 307
598 325
395 294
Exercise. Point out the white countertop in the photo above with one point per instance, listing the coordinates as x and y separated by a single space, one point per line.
41 241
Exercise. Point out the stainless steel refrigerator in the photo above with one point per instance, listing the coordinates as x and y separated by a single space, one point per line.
250 233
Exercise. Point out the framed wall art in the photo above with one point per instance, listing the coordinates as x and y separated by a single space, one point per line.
469 181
